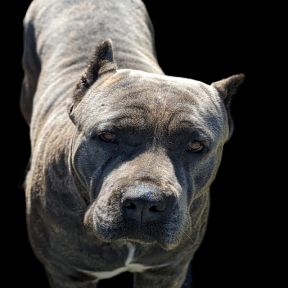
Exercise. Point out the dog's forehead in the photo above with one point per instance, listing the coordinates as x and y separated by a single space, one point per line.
157 86
132 86
152 98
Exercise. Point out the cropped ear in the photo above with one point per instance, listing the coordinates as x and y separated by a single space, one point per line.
228 87
101 64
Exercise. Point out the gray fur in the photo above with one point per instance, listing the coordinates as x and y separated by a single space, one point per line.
77 183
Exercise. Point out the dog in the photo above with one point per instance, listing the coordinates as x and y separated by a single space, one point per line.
122 155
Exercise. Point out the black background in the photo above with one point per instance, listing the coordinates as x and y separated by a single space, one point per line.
196 40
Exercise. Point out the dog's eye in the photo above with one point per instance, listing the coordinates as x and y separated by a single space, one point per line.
108 137
195 146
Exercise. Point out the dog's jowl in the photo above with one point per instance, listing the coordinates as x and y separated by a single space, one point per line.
122 155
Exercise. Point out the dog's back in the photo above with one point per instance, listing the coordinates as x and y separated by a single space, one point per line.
60 37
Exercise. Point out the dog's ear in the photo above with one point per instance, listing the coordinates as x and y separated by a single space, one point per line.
226 89
101 64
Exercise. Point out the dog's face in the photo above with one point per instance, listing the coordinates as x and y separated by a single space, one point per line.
147 145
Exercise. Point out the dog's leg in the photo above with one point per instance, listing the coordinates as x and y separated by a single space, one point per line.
168 277
31 66
74 281
188 281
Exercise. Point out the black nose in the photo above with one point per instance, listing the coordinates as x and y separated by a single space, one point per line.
145 205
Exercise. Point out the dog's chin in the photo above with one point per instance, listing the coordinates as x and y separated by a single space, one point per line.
165 245
113 228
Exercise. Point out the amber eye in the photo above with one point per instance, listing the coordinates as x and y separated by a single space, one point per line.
108 137
195 146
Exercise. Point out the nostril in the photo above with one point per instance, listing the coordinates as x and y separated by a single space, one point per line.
157 208
154 209
129 205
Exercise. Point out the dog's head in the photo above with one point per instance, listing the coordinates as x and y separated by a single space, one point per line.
146 146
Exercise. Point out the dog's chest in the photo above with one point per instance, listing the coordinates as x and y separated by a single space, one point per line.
129 266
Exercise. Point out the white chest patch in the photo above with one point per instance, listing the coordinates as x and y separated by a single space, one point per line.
129 267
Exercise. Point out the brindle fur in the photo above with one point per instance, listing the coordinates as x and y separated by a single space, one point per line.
76 183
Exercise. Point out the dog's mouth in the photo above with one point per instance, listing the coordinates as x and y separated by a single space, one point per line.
144 214
154 233
166 234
